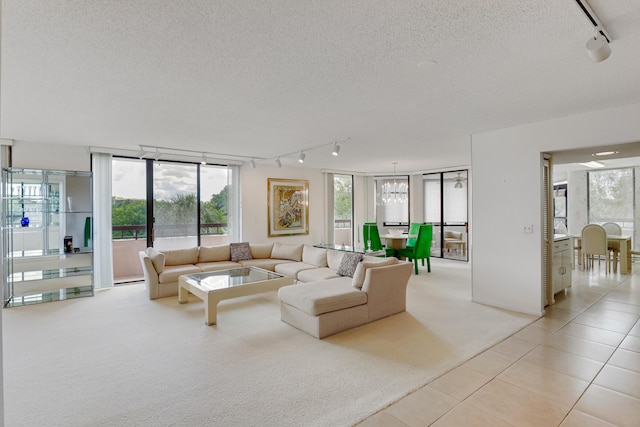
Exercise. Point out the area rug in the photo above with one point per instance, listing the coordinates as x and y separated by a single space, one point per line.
119 359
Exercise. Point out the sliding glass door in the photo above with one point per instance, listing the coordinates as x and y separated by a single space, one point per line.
175 205
167 205
446 207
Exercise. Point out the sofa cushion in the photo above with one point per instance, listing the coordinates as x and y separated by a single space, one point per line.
217 265
214 253
264 263
317 274
171 273
292 269
314 256
349 263
361 270
261 250
322 297
284 251
181 256
157 259
334 258
240 251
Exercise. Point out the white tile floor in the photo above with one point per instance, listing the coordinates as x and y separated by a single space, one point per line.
577 366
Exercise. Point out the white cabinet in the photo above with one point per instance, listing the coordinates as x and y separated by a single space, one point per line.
561 264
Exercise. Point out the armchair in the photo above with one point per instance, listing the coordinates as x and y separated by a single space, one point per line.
454 240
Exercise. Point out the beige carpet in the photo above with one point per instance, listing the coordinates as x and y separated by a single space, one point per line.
119 359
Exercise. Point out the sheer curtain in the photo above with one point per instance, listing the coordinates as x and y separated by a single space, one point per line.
234 215
102 246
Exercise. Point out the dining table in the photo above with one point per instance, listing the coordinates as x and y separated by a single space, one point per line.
396 241
625 250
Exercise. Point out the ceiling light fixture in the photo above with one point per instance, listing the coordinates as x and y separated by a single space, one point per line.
204 159
253 164
157 155
141 153
597 46
394 192
278 162
458 183
593 164
301 158
605 153
336 149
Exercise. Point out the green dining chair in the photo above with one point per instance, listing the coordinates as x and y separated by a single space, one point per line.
422 248
413 231
370 233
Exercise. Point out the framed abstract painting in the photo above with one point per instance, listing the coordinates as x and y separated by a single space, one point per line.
288 206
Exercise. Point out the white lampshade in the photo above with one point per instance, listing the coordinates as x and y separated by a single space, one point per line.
598 48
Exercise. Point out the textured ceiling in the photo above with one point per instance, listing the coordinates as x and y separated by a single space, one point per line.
264 78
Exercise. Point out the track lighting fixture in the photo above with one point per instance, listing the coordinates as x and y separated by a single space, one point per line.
458 183
598 47
302 154
141 154
204 159
157 155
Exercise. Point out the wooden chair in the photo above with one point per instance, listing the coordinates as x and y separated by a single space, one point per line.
594 243
613 229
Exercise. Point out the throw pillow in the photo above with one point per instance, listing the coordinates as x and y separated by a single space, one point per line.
214 253
361 270
157 259
349 263
240 251
286 251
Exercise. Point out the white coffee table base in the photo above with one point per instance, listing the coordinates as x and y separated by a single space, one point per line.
211 297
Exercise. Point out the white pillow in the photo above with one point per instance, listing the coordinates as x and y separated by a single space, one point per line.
361 270
214 253
261 250
314 256
284 251
157 259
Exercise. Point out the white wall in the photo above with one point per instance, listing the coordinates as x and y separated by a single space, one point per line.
254 202
507 194
30 155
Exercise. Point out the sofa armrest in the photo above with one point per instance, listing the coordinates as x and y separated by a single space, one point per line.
151 279
386 289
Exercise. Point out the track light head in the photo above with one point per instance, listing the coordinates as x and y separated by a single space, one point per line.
278 162
598 47
302 156
253 164
204 159
336 149
157 155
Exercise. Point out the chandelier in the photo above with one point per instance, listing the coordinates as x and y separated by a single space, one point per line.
395 192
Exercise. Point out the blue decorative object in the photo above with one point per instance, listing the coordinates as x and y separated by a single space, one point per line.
24 221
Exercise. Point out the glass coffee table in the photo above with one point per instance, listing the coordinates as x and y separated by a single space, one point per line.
214 286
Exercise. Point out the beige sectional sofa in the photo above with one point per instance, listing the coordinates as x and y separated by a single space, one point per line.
325 300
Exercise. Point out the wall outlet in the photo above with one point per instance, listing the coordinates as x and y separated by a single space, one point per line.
528 229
